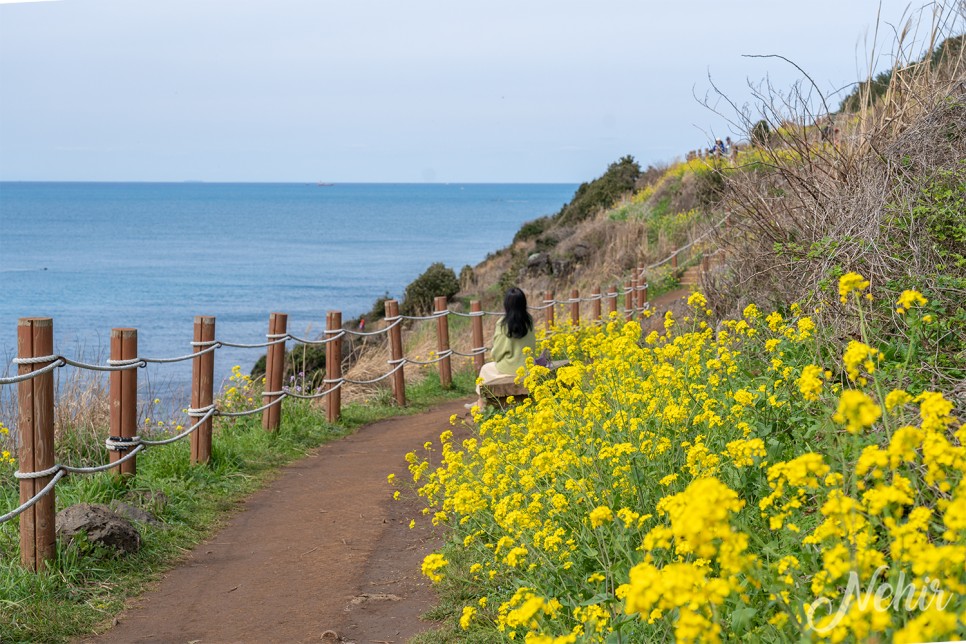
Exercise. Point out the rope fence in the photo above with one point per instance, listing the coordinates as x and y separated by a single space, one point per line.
36 361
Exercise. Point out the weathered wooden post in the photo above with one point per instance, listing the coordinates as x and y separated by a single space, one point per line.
674 258
575 307
333 366
442 342
705 263
548 312
202 387
274 371
629 297
611 300
124 399
476 324
595 306
35 425
396 351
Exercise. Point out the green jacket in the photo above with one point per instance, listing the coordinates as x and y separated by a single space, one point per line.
508 352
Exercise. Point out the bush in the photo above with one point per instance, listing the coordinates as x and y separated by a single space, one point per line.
467 277
531 229
760 132
303 363
601 193
378 310
437 280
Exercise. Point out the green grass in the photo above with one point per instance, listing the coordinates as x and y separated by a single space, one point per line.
85 587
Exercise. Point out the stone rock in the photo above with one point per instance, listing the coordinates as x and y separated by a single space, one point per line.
561 267
580 252
537 259
102 527
134 513
538 264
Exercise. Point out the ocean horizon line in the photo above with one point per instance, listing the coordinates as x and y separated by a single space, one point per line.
319 183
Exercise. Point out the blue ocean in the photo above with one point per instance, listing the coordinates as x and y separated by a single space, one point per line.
152 256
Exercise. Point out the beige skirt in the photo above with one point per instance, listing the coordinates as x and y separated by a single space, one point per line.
489 373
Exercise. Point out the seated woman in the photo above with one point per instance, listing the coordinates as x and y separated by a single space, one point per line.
513 333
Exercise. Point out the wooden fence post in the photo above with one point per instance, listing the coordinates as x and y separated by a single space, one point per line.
575 307
35 424
202 387
611 300
595 306
274 371
476 324
674 258
333 366
396 351
124 398
548 312
629 299
442 343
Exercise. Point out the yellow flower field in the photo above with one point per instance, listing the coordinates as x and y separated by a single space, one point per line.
708 484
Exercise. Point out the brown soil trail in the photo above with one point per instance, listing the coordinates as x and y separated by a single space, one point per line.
322 554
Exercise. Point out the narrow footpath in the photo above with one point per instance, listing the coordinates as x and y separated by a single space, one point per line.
323 554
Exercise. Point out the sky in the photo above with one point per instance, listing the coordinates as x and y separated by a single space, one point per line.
390 91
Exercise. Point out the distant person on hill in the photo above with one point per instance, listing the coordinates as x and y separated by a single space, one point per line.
513 334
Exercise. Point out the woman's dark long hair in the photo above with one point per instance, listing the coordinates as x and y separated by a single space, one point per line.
516 319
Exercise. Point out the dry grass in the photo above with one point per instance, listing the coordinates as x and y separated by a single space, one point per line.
813 209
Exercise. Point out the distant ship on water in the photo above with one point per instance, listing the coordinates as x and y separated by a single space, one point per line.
323 184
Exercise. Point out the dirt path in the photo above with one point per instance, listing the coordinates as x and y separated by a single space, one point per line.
323 548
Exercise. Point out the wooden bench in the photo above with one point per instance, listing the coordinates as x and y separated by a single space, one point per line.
498 390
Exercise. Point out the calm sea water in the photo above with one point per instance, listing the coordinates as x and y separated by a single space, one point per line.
152 256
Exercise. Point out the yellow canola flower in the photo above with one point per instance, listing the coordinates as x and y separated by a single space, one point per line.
909 299
432 564
935 411
467 617
857 411
744 451
858 354
851 282
601 515
896 398
810 382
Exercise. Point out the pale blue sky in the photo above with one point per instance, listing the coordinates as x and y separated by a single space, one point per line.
379 90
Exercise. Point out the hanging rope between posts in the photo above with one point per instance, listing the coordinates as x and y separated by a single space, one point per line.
420 318
214 344
395 321
473 352
442 355
248 412
280 338
59 470
33 374
341 334
318 394
476 314
398 366
30 502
